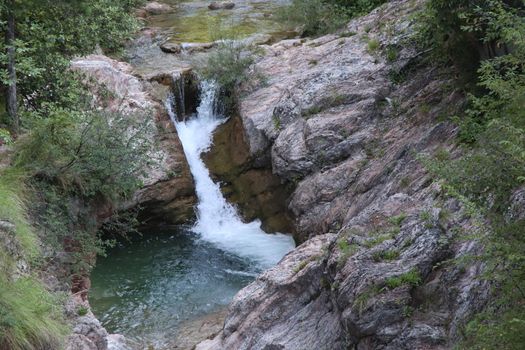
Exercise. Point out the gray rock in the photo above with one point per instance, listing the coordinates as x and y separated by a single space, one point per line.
221 5
376 230
157 8
170 47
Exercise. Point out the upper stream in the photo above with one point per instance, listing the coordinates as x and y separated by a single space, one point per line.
147 288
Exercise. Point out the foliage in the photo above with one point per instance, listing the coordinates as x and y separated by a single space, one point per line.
387 255
69 159
5 137
49 33
492 131
229 66
313 17
30 318
317 17
91 154
411 278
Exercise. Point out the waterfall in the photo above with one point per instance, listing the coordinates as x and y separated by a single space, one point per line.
217 220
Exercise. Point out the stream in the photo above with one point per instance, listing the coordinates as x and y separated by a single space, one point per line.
147 288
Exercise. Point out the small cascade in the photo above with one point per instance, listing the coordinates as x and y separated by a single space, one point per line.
184 95
217 220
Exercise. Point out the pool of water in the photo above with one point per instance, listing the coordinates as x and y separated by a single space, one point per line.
192 21
146 288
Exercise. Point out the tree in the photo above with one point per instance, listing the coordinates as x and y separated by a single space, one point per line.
11 101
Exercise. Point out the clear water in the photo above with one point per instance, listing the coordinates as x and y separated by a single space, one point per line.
145 289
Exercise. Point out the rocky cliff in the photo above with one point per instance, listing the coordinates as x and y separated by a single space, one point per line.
348 119
167 194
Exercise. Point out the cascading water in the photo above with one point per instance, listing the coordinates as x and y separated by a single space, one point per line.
147 289
218 221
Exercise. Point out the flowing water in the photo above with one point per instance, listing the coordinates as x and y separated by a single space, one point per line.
146 288
217 220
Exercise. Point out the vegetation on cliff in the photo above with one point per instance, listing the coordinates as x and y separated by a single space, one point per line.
317 17
67 157
485 40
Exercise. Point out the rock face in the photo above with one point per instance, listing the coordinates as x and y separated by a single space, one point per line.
350 126
168 192
157 8
257 192
171 47
221 5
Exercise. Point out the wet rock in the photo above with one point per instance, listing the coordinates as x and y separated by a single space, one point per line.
119 342
257 192
221 5
80 342
197 47
157 8
169 47
283 307
192 332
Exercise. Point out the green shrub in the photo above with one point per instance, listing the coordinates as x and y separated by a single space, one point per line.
5 137
397 220
387 255
82 311
317 17
90 154
492 133
228 66
373 45
411 278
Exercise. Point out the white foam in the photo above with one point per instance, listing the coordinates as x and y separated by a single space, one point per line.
218 221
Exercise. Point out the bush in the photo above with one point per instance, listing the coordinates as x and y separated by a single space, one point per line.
229 66
317 17
492 167
313 17
411 278
90 154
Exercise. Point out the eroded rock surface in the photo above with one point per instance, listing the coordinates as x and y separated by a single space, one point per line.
351 128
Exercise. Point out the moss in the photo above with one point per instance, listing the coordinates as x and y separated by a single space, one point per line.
411 278
347 250
372 45
385 255
397 220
